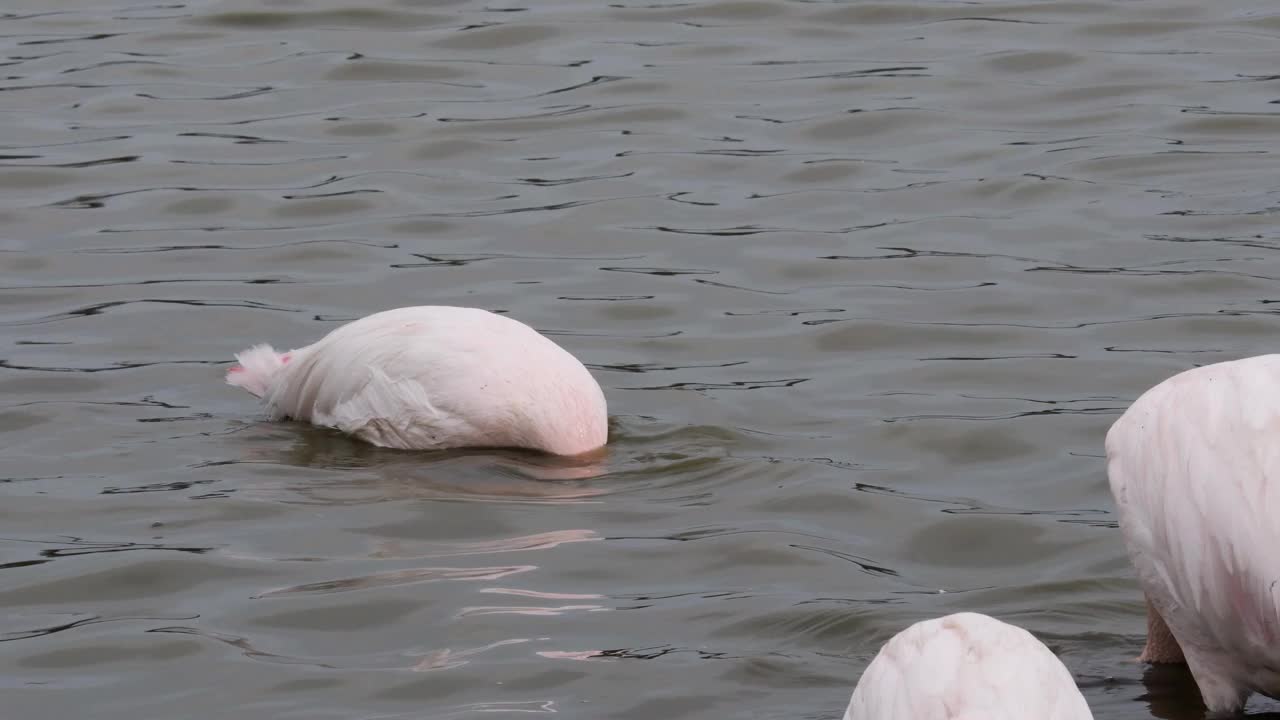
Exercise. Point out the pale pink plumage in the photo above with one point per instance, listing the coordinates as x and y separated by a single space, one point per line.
966 666
1190 464
434 377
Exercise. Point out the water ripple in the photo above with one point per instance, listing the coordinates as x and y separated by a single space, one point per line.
942 244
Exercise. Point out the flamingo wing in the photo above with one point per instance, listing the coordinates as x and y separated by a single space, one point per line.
966 667
1191 466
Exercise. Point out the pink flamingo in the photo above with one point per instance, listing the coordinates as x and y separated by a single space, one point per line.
1190 464
434 377
966 666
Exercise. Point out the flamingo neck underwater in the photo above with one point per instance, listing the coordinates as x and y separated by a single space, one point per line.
1162 646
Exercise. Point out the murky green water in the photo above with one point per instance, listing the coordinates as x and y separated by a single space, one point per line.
865 284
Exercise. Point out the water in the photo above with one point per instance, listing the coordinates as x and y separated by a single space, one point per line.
865 284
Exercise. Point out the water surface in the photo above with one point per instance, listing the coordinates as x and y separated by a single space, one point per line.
865 284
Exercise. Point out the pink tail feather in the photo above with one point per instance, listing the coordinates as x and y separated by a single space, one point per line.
257 370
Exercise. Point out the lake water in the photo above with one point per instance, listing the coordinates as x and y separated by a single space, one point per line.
865 284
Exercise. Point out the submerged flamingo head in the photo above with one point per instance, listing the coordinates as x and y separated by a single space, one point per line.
257 370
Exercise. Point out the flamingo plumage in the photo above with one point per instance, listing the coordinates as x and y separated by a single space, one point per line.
434 377
1191 464
966 666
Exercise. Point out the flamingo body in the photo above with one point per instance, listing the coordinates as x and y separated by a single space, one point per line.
966 666
434 377
1191 464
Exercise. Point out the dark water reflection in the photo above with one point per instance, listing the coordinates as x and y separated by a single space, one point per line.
865 283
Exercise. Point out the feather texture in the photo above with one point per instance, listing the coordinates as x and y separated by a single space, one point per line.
1191 464
966 666
257 370
435 377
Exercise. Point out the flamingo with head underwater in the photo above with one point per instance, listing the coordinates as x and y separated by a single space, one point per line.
1194 466
434 377
966 666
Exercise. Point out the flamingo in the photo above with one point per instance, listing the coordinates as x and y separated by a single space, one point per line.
433 377
1190 465
966 666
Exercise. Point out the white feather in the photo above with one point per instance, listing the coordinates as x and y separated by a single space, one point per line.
1193 466
966 666
437 377
257 369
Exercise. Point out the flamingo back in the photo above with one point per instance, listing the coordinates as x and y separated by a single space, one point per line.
966 666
